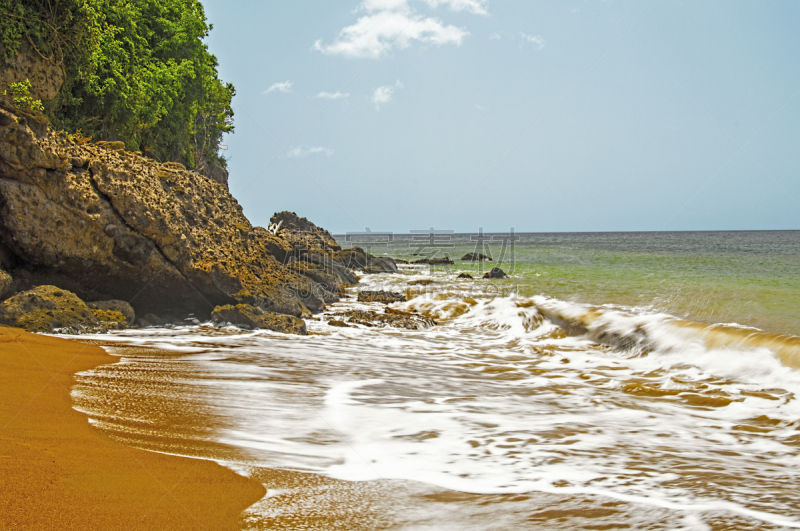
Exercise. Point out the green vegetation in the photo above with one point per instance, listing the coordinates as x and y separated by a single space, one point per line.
21 95
135 70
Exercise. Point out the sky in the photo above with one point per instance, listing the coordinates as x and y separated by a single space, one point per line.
547 116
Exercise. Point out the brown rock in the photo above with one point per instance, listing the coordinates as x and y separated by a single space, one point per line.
339 323
166 239
476 257
465 276
303 234
5 284
115 306
46 78
253 318
393 318
385 297
48 309
111 319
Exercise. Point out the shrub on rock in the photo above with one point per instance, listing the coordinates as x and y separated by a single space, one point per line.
252 317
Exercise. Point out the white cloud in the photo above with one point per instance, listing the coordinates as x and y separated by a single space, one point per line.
495 36
574 10
391 24
536 40
477 7
384 94
304 151
285 87
332 95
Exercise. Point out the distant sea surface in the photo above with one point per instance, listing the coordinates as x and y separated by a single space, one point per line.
613 381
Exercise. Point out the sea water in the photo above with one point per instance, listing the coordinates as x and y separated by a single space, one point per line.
642 381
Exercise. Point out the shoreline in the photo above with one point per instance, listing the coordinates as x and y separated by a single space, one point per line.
59 472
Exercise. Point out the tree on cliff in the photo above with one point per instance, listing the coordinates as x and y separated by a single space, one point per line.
135 70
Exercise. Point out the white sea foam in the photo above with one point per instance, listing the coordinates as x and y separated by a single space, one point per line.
504 395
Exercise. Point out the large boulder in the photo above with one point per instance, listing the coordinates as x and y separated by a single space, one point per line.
111 224
48 309
121 307
251 317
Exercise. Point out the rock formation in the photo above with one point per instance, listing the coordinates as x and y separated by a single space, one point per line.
476 257
110 224
48 308
496 272
255 318
386 297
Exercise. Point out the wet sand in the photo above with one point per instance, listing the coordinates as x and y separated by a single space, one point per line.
58 472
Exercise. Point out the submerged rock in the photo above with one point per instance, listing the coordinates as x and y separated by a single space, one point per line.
47 309
386 297
476 257
465 276
391 317
496 272
254 318
422 282
433 261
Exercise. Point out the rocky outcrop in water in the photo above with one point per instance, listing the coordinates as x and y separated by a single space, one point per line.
476 257
496 272
244 315
433 261
385 297
391 317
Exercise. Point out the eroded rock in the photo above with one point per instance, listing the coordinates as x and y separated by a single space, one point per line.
386 297
476 257
254 318
48 309
118 306
391 317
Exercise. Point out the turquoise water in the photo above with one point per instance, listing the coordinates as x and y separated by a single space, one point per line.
750 278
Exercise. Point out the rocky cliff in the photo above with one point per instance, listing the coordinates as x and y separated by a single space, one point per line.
105 223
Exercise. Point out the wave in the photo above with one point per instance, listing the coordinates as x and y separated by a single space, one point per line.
638 331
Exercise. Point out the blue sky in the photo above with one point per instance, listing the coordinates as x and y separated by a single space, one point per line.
543 116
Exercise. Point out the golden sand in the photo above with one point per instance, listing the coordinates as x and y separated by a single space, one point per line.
58 472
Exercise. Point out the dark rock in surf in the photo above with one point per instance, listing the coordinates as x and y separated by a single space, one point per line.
476 257
465 276
245 315
433 261
391 317
385 297
496 272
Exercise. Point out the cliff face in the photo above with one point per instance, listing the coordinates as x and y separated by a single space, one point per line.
45 77
109 224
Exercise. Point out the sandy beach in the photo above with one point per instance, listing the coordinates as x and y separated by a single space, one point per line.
58 472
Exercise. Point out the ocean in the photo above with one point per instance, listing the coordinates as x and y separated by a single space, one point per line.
613 381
